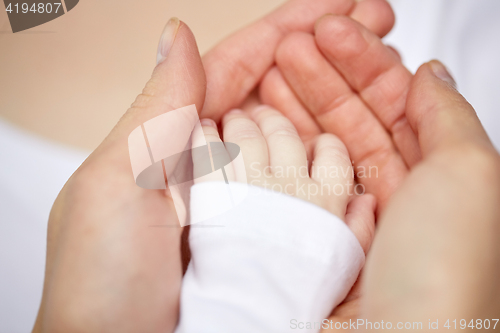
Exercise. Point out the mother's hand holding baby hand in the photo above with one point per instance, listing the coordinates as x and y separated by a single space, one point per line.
106 269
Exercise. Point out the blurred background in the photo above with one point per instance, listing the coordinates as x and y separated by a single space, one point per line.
65 84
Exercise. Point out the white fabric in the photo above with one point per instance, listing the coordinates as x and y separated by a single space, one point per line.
463 34
32 172
270 260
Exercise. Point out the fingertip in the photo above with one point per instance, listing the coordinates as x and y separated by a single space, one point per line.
372 201
261 108
321 21
376 15
264 112
340 36
331 162
439 114
360 218
431 84
208 133
271 86
234 113
180 71
207 122
395 52
364 201
426 70
442 72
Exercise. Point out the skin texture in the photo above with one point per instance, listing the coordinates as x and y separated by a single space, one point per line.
107 269
443 221
236 66
271 146
441 191
104 256
348 94
435 254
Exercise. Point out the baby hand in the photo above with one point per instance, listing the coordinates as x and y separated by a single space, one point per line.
275 158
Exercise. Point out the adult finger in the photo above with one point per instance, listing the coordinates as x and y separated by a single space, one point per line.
178 58
376 15
136 142
374 72
396 52
340 111
235 67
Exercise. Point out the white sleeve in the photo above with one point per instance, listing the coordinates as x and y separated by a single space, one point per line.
265 265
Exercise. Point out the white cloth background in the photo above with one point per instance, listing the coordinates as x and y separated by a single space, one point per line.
464 35
32 172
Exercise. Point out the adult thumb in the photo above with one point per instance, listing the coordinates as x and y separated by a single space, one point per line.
440 116
177 81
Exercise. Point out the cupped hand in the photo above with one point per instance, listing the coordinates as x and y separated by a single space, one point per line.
438 174
436 254
111 266
237 65
344 80
107 268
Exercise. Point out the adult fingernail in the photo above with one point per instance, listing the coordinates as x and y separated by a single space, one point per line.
167 39
442 72
208 122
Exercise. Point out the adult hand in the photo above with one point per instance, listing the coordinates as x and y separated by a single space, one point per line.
107 269
355 87
436 254
236 66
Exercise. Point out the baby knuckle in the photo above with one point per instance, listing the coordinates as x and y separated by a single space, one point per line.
283 131
244 134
